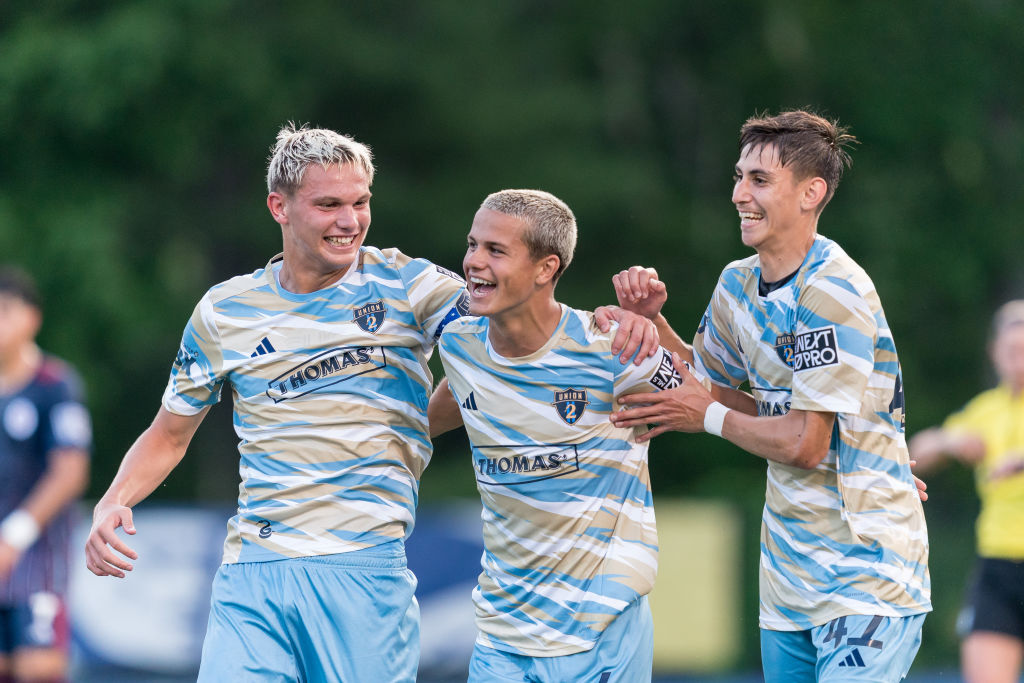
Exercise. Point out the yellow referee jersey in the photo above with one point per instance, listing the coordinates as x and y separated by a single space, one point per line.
997 417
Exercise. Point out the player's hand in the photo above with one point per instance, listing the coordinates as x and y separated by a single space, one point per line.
922 488
636 334
102 541
679 409
639 290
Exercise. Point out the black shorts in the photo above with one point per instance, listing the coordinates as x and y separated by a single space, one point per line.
995 599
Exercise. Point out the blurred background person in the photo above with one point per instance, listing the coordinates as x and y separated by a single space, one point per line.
988 435
45 438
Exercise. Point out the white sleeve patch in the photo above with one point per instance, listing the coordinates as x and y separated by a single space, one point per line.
71 425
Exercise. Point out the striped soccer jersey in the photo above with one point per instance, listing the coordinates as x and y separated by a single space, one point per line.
847 537
44 416
569 533
330 393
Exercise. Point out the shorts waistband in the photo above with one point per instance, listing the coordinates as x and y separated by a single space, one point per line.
390 555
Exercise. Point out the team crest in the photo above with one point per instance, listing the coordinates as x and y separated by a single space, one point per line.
784 345
371 316
570 404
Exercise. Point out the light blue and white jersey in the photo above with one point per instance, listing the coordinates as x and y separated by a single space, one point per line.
849 536
569 533
330 394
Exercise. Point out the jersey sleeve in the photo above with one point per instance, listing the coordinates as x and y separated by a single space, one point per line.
655 373
437 295
833 351
716 353
68 424
197 373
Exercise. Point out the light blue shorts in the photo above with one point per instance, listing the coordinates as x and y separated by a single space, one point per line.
623 654
350 617
852 648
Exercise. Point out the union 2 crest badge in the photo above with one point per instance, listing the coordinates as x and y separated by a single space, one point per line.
371 316
570 404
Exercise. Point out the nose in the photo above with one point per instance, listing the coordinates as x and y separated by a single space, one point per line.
346 217
740 191
472 259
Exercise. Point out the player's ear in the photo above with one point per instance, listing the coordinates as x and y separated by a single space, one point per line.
275 202
815 190
547 267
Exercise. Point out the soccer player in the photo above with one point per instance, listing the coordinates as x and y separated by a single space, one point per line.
844 582
988 435
325 353
570 541
45 438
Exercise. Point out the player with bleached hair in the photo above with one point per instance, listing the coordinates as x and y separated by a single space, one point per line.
325 353
844 581
571 547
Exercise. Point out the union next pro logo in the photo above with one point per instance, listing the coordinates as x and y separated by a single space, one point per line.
570 404
371 316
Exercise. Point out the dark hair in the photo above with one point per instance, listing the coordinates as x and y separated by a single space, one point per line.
811 145
16 282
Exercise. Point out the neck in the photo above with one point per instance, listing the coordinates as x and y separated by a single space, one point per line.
306 283
20 367
514 335
778 262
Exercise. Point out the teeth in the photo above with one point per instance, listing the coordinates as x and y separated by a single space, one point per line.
480 281
340 241
751 216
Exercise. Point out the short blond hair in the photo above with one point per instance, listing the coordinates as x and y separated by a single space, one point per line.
299 147
551 225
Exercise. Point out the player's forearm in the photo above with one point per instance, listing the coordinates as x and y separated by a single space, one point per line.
145 466
734 399
671 340
152 457
798 439
65 479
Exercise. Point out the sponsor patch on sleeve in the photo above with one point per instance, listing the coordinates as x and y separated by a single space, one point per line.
666 377
815 349
451 274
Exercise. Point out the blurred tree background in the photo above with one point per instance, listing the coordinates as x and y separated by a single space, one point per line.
134 137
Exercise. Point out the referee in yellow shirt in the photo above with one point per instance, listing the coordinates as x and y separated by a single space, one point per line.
988 434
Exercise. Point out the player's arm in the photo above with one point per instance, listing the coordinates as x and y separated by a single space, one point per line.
443 412
63 481
146 464
638 290
932 446
800 438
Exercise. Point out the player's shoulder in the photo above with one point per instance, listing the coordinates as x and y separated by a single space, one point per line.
402 265
994 400
465 326
737 274
55 371
241 284
829 261
740 269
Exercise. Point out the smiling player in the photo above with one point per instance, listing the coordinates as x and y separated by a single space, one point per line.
570 541
844 548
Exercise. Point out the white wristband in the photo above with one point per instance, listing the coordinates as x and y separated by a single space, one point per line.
714 418
19 530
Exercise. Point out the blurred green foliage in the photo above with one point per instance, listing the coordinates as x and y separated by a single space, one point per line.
134 138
